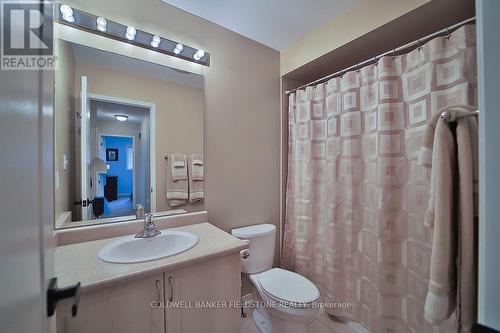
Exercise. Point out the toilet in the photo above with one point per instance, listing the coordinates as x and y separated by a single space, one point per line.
284 300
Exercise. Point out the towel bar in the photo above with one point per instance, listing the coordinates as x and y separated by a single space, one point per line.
450 117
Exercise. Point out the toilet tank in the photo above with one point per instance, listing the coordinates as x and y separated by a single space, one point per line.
261 247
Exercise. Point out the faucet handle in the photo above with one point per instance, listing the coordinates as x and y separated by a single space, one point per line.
149 227
149 218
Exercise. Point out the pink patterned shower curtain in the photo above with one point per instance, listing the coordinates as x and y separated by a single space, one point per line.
356 195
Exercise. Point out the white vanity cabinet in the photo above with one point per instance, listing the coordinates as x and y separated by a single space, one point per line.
125 308
203 299
216 281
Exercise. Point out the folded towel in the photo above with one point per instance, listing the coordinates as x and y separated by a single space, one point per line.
425 159
179 167
452 215
197 167
176 202
441 296
467 136
196 187
176 189
425 156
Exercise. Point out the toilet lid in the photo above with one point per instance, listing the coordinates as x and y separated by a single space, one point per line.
288 286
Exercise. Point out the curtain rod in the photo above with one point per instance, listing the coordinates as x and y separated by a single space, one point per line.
418 42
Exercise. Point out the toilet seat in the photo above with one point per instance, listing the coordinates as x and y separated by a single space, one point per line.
288 288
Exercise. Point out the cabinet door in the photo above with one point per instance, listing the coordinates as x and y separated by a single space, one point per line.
124 308
216 280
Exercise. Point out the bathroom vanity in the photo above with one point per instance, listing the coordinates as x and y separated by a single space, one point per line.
195 291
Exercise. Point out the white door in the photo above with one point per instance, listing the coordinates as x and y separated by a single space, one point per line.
84 148
488 49
26 196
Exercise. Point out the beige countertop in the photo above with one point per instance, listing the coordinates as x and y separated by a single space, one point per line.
79 262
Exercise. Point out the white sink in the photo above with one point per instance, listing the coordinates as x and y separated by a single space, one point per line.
129 249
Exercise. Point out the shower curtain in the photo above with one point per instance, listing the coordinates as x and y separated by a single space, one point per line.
356 195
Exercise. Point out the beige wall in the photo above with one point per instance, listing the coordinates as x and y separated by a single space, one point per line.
179 115
64 126
366 16
242 113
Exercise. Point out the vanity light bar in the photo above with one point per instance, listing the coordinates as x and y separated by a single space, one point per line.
99 25
130 34
178 48
67 13
155 41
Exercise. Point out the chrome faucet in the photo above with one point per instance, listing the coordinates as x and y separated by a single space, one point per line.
139 211
149 228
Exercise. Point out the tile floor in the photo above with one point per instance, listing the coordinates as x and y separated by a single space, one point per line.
322 324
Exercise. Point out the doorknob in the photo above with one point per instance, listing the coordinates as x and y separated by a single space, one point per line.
55 294
83 203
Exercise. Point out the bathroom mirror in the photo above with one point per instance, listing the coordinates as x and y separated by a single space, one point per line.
118 122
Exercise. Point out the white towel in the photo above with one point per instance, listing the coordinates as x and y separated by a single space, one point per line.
441 216
196 187
197 167
176 202
177 191
451 213
179 167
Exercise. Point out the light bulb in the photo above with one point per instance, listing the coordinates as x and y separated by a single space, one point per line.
155 41
121 117
67 13
101 23
178 48
198 55
131 32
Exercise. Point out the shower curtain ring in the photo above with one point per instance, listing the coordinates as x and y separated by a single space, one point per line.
448 33
419 46
393 54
